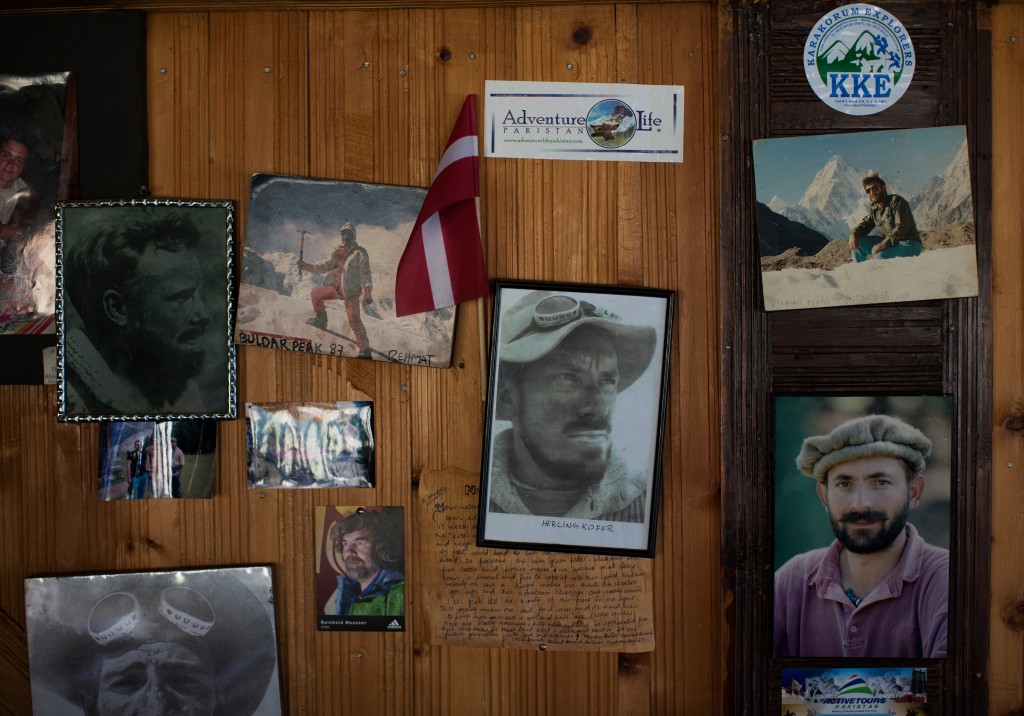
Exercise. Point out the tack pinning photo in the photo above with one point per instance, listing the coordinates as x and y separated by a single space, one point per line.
318 273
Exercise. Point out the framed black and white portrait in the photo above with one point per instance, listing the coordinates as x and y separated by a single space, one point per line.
144 310
576 405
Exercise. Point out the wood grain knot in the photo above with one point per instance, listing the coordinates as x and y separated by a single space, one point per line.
444 54
625 663
1014 422
582 35
1013 616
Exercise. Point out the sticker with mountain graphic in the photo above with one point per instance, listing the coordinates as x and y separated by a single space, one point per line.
892 691
859 59
825 241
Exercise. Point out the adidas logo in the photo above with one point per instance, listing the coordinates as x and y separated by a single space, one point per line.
394 624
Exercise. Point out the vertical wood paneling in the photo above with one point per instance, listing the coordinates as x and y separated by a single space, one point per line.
681 248
1006 649
367 95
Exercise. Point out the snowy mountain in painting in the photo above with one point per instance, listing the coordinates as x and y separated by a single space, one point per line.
946 199
834 201
777 204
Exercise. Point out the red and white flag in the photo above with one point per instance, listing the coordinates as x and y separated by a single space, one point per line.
443 262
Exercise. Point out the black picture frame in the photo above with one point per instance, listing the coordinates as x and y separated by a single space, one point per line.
573 412
145 333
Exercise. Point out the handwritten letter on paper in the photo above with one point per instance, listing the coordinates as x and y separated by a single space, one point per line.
476 596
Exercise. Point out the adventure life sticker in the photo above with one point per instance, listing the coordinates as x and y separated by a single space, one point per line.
580 120
859 59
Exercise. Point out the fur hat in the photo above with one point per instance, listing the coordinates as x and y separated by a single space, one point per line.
539 322
868 436
74 622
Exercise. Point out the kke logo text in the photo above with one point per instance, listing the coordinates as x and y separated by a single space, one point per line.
859 59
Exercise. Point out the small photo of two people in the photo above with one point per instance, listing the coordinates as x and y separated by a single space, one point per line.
141 460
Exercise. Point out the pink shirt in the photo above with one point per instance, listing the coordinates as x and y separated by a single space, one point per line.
903 617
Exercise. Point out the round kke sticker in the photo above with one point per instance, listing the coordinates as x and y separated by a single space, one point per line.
859 59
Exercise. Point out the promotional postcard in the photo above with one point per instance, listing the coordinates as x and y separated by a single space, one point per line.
871 691
360 568
573 120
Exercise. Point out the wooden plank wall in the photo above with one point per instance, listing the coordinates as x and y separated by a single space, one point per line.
1006 634
365 95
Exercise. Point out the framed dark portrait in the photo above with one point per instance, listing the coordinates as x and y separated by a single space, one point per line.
577 393
184 642
144 310
862 526
360 568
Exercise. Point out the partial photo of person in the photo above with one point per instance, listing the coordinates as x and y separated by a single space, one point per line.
575 399
145 319
162 643
881 485
37 153
18 204
363 558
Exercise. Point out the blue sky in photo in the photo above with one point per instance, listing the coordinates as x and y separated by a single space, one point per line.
907 158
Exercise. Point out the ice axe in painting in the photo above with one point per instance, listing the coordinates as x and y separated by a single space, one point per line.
302 243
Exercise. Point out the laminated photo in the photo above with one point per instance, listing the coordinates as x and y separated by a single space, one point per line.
38 151
310 444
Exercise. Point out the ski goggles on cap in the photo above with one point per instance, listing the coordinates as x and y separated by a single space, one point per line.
117 615
554 312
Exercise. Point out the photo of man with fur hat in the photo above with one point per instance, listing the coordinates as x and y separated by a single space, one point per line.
560 447
880 589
